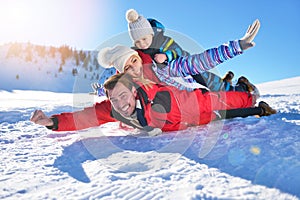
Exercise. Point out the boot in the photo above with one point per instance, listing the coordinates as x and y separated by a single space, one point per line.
266 108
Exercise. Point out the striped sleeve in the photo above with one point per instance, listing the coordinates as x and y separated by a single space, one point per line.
197 63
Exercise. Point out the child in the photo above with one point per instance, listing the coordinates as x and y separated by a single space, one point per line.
148 37
142 67
151 40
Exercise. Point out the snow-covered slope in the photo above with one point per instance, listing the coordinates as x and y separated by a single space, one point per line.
57 69
243 158
287 86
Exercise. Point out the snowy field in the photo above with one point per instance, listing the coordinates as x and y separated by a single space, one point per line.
243 158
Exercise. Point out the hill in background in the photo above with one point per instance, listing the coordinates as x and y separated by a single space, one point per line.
26 66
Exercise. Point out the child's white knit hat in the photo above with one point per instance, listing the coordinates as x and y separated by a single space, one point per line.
115 56
138 26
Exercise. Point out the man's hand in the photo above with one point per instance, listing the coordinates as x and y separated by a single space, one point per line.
40 118
160 57
246 42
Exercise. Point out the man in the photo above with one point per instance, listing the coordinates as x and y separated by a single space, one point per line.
168 108
156 109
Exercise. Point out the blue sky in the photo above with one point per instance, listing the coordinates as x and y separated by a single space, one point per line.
86 24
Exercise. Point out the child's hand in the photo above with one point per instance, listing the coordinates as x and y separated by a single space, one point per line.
160 57
246 42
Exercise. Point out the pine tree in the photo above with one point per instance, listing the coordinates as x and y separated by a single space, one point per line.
60 69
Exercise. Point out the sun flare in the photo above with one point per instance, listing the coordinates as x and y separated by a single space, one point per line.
15 15
51 22
14 18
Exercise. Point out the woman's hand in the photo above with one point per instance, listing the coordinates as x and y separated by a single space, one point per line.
246 42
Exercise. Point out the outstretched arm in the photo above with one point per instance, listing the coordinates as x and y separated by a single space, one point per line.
199 63
210 58
88 117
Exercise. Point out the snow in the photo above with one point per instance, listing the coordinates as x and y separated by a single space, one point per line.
242 158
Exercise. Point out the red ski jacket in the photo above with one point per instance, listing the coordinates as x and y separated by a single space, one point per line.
163 107
147 67
171 109
98 114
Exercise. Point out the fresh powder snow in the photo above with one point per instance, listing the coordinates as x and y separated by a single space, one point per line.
241 158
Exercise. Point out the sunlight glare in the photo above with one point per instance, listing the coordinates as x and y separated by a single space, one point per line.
15 16
51 22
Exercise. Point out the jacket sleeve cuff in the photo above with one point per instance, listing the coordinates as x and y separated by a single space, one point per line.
235 45
169 55
55 124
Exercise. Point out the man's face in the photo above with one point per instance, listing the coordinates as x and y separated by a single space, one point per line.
123 99
144 42
134 67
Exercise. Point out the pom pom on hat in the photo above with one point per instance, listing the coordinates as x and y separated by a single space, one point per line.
103 57
131 15
115 56
138 26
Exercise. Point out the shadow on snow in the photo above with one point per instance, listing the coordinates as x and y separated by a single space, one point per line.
263 150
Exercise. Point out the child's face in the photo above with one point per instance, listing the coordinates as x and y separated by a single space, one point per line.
144 42
134 66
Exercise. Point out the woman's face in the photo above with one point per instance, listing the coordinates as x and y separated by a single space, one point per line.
144 42
134 66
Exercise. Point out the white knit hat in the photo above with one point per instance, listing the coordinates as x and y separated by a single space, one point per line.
115 56
138 26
